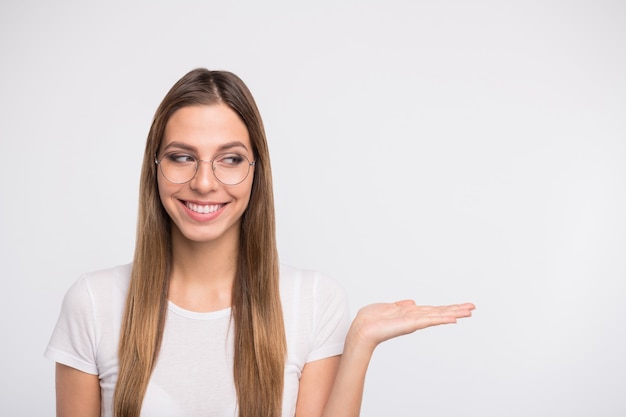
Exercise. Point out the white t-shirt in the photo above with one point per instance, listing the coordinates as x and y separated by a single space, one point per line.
194 372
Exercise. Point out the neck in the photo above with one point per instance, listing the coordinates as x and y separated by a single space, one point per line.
202 273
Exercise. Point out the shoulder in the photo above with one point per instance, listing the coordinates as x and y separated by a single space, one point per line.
110 280
86 335
308 281
316 314
100 288
310 292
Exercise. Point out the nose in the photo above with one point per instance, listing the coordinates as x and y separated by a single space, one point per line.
204 180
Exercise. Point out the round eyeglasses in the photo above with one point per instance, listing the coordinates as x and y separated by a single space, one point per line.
228 168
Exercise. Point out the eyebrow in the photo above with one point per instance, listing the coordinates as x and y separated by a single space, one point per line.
222 147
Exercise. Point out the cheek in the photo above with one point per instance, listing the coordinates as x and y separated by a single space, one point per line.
243 195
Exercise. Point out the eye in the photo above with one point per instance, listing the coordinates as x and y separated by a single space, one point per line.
230 160
180 158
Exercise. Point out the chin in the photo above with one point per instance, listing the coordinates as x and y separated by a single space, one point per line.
211 235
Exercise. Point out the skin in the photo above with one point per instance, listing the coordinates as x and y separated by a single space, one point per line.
203 271
373 325
205 248
204 132
77 393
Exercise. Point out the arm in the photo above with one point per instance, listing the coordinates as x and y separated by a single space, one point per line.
77 393
315 384
373 325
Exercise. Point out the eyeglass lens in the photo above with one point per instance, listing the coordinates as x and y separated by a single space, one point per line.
228 168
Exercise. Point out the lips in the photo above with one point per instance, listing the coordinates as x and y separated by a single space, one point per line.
203 208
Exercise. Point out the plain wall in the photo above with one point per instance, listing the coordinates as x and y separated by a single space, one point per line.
445 151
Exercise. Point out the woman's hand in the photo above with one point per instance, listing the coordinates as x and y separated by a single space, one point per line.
373 325
376 323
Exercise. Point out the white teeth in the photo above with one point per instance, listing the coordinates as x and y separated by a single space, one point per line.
203 209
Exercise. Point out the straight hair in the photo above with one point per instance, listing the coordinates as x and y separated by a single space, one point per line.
260 346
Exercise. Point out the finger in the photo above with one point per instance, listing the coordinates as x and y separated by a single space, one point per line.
466 308
431 321
457 309
443 315
404 303
458 312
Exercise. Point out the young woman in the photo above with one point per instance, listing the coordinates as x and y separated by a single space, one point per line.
205 321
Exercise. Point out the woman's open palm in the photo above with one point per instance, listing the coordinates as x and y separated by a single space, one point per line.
376 323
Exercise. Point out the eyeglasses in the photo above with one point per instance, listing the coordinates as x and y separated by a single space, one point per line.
228 168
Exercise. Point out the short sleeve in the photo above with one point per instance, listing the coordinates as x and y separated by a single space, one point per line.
73 341
331 318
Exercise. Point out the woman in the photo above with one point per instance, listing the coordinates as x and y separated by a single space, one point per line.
205 321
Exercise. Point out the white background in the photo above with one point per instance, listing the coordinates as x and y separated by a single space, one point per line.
445 151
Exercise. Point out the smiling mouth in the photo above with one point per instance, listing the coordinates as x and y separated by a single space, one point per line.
203 209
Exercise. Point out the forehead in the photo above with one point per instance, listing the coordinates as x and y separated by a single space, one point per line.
205 127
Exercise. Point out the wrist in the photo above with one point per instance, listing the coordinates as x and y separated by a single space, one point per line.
358 342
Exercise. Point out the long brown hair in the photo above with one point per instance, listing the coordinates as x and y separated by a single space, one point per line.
259 334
